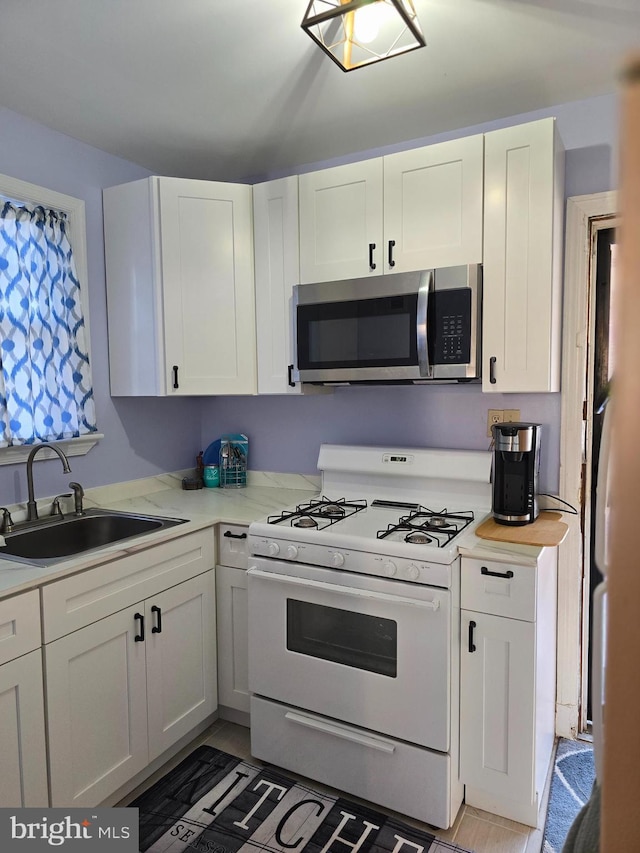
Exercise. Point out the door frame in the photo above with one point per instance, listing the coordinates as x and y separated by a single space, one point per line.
585 214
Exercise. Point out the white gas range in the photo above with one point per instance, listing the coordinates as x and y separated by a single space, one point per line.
354 601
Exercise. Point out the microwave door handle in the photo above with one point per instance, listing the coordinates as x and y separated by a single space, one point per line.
426 287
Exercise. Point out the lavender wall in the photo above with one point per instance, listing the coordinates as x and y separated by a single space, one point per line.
147 436
142 437
285 433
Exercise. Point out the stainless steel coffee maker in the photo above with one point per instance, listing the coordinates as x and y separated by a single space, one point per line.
516 464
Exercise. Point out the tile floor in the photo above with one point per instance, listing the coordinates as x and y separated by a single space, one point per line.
474 829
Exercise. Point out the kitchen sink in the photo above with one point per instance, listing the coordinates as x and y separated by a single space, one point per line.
56 539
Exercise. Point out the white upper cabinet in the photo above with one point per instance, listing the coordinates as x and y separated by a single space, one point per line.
341 222
180 290
433 206
275 228
408 211
524 192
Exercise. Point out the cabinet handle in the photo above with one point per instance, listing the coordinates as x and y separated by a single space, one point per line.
492 370
472 645
157 628
485 571
175 375
231 535
139 638
292 384
372 265
392 243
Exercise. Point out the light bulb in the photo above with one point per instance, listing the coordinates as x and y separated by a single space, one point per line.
368 21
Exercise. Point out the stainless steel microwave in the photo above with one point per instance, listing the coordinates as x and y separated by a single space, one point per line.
410 327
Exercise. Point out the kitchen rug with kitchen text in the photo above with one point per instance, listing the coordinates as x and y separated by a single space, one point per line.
217 803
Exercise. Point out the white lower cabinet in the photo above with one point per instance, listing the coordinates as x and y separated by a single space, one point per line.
123 689
23 765
233 624
97 710
23 780
181 661
507 684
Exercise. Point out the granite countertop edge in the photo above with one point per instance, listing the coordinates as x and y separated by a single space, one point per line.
164 496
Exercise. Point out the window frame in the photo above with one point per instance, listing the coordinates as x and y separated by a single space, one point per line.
18 190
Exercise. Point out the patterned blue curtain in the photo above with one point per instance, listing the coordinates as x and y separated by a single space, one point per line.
45 381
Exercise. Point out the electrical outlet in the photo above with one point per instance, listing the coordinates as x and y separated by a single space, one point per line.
494 416
511 416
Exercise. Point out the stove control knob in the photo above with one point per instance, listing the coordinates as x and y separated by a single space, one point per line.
273 549
413 572
337 560
292 552
389 569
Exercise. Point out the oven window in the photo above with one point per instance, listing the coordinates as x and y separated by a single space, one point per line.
363 333
353 639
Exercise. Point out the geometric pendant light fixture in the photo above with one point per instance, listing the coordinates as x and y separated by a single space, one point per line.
355 33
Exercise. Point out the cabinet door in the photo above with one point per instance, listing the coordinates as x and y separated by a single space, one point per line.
524 190
233 638
497 702
180 641
340 218
206 238
275 228
433 206
23 781
96 709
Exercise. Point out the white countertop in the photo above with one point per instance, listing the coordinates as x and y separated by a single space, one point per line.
499 552
164 496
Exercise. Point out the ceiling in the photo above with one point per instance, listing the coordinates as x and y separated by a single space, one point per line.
235 90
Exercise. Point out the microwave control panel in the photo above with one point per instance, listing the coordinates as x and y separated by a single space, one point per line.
450 326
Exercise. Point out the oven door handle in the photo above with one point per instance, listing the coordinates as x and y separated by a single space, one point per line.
336 730
426 287
433 605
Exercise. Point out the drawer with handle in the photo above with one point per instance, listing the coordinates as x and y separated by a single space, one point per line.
233 545
19 625
402 776
501 589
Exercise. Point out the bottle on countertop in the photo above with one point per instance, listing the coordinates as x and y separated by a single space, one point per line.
199 467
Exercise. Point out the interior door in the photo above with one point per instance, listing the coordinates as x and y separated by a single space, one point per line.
602 373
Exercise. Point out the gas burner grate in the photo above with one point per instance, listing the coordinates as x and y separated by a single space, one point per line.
318 512
438 528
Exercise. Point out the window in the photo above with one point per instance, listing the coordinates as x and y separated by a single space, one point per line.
46 391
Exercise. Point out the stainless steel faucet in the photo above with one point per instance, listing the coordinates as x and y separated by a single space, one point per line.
78 494
32 510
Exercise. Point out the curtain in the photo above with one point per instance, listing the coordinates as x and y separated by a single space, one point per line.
45 380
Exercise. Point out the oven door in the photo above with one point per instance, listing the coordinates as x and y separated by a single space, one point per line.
368 651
